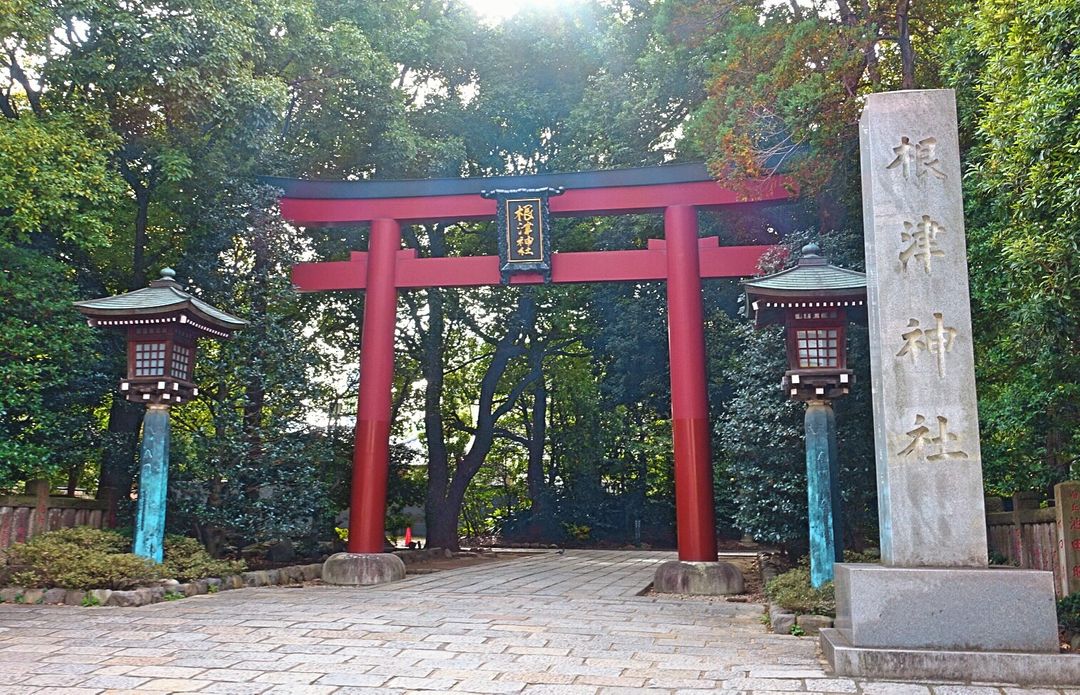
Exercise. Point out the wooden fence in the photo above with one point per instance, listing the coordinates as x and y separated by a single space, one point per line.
24 516
1025 537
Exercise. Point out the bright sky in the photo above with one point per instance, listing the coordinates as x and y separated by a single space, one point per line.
501 9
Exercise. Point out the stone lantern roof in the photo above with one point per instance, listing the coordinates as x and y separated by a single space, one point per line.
164 301
813 283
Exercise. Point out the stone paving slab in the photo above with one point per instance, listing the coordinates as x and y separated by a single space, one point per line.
546 623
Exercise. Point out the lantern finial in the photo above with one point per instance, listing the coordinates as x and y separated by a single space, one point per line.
167 279
811 256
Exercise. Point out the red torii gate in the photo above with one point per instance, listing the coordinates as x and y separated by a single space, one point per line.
681 258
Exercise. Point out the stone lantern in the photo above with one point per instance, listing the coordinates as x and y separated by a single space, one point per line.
815 301
162 323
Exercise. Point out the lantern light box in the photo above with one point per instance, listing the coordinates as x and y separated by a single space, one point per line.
163 323
815 301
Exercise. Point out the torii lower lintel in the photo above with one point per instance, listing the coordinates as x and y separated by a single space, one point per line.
681 259
473 271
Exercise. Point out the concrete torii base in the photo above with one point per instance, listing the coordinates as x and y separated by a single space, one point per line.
362 569
698 578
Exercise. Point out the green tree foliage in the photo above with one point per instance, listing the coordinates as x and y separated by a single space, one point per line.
132 133
174 102
147 89
640 94
784 96
56 193
51 372
608 463
55 179
786 82
252 469
761 462
1017 64
762 468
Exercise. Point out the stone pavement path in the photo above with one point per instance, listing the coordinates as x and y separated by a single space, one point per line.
547 623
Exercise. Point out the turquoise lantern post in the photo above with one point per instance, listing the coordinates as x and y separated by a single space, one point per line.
814 301
162 323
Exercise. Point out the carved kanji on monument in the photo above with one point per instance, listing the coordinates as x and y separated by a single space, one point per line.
920 323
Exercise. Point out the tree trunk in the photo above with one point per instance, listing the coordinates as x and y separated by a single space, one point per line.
211 535
534 475
138 256
445 489
870 59
903 38
641 488
537 443
443 516
1058 463
445 494
438 479
74 473
118 462
254 390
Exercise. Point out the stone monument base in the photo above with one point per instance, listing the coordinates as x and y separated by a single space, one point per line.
698 578
957 608
940 665
959 623
362 569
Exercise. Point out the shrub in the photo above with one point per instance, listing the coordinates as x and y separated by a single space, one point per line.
579 532
89 538
88 558
1068 612
187 560
79 558
792 590
870 555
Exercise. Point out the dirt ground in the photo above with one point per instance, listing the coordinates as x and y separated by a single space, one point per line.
465 558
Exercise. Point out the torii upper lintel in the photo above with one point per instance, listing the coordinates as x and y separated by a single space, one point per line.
613 192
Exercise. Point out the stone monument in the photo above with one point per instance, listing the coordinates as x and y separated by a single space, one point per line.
932 608
1067 506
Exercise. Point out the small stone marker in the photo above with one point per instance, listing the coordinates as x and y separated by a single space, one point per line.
1067 503
926 427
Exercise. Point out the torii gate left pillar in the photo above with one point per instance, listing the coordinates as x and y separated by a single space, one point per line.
371 455
682 259
365 562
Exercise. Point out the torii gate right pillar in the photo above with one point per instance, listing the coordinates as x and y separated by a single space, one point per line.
697 570
689 402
